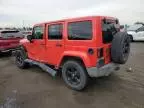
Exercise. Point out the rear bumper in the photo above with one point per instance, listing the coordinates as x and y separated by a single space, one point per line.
8 49
103 71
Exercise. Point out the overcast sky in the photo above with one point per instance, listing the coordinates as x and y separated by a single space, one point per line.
29 12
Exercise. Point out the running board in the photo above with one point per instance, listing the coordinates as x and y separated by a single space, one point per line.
43 66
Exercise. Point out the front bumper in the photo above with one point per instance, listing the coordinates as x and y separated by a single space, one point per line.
138 38
103 71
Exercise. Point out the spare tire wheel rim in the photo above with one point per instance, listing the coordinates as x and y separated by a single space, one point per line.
73 75
126 48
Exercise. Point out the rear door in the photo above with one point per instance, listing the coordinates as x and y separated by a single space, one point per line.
54 42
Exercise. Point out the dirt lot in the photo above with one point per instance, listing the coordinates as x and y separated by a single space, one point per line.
33 88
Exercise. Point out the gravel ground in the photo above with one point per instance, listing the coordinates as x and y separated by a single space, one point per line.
34 88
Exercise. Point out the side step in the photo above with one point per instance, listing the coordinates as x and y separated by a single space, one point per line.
43 66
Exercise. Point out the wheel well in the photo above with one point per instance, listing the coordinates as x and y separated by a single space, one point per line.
130 36
23 48
66 58
24 51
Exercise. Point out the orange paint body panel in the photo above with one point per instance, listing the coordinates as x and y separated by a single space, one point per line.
53 51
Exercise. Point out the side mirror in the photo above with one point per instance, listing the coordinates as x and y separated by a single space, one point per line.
29 37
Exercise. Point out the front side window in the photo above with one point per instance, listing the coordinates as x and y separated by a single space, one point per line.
38 32
55 31
80 30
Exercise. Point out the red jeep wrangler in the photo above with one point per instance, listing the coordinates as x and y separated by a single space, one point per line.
79 47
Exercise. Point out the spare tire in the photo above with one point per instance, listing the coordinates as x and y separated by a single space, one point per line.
120 48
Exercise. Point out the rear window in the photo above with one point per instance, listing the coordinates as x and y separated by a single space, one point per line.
80 30
11 34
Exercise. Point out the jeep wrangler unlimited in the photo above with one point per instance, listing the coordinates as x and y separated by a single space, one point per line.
80 47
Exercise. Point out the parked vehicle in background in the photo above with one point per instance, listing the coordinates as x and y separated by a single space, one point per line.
136 32
79 47
9 40
26 33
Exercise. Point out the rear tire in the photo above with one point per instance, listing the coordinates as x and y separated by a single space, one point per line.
74 75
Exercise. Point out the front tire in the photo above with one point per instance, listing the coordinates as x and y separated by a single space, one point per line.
19 59
74 75
131 38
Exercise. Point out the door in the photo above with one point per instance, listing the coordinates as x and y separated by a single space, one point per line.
55 42
36 48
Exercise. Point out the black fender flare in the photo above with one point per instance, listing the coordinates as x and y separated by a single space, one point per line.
21 49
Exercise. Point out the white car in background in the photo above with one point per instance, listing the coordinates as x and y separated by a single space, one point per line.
136 32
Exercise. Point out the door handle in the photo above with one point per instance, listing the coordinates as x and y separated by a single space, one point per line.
42 44
58 45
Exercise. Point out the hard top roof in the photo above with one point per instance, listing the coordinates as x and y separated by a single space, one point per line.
76 18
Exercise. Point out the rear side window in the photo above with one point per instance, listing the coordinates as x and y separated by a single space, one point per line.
80 30
55 31
38 32
11 34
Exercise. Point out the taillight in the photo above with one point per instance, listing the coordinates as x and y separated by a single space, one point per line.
107 51
100 61
100 52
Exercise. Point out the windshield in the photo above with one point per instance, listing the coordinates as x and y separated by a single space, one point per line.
134 27
11 34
